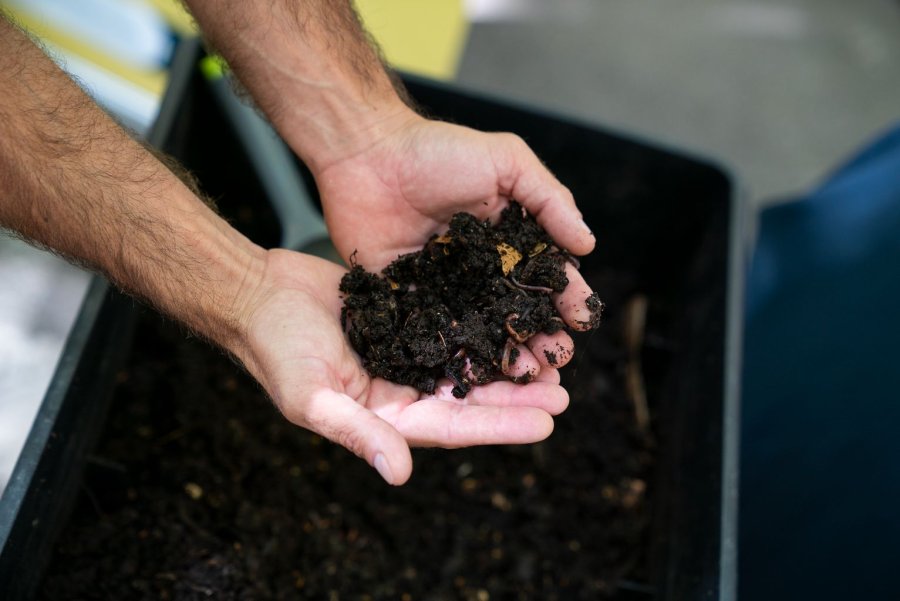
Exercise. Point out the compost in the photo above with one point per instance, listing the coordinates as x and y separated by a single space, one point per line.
458 307
199 489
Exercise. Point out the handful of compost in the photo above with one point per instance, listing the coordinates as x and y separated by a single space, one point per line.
458 307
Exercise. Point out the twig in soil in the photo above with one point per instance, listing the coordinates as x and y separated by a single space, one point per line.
93 499
441 336
635 324
637 587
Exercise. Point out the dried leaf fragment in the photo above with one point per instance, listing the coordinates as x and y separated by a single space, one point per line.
538 249
509 257
443 239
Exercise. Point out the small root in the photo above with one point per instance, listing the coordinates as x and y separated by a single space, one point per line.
460 354
634 332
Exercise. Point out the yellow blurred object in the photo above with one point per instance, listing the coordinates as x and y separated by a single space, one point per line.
151 81
421 36
426 37
176 16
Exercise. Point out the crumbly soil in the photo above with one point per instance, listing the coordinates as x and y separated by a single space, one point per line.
458 307
199 489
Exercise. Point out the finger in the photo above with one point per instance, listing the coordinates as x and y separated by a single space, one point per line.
552 350
547 396
436 423
570 303
340 419
548 375
525 367
552 204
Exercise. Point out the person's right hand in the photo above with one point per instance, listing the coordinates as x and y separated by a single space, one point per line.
294 346
388 197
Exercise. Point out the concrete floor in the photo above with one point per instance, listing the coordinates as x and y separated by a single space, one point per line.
778 90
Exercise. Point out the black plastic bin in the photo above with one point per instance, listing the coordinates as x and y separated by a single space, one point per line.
671 221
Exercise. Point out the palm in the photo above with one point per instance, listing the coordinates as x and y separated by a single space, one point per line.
301 357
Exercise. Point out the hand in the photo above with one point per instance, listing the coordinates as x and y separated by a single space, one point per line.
388 198
295 348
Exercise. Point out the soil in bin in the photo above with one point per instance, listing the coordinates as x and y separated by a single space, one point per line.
199 489
458 307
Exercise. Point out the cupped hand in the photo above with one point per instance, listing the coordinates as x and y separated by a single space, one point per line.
388 198
296 349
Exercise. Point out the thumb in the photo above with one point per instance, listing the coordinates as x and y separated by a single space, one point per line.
524 178
342 420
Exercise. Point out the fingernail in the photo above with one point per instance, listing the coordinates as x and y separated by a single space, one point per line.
587 228
381 465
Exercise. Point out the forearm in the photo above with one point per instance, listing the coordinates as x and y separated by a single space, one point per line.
72 180
311 69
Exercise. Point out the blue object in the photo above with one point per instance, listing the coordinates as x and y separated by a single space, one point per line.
820 457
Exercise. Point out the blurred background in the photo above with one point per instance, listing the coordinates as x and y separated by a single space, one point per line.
779 91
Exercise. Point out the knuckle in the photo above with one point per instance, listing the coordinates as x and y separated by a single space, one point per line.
515 141
351 438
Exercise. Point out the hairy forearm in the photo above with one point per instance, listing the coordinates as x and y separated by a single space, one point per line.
74 181
311 68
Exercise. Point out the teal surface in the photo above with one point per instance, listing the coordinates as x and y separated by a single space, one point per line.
820 484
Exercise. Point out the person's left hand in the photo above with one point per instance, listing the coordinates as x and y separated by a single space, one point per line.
293 344
387 199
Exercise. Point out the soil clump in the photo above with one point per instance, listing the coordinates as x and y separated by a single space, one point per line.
457 308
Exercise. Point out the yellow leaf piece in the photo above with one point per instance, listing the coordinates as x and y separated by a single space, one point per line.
538 249
394 285
443 239
509 256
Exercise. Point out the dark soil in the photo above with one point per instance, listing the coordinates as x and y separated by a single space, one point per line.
458 307
199 489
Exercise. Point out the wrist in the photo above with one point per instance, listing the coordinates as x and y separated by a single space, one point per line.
311 69
344 129
226 308
191 265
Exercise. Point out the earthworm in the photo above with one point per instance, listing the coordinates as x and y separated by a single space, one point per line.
519 337
510 285
567 256
507 350
542 289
